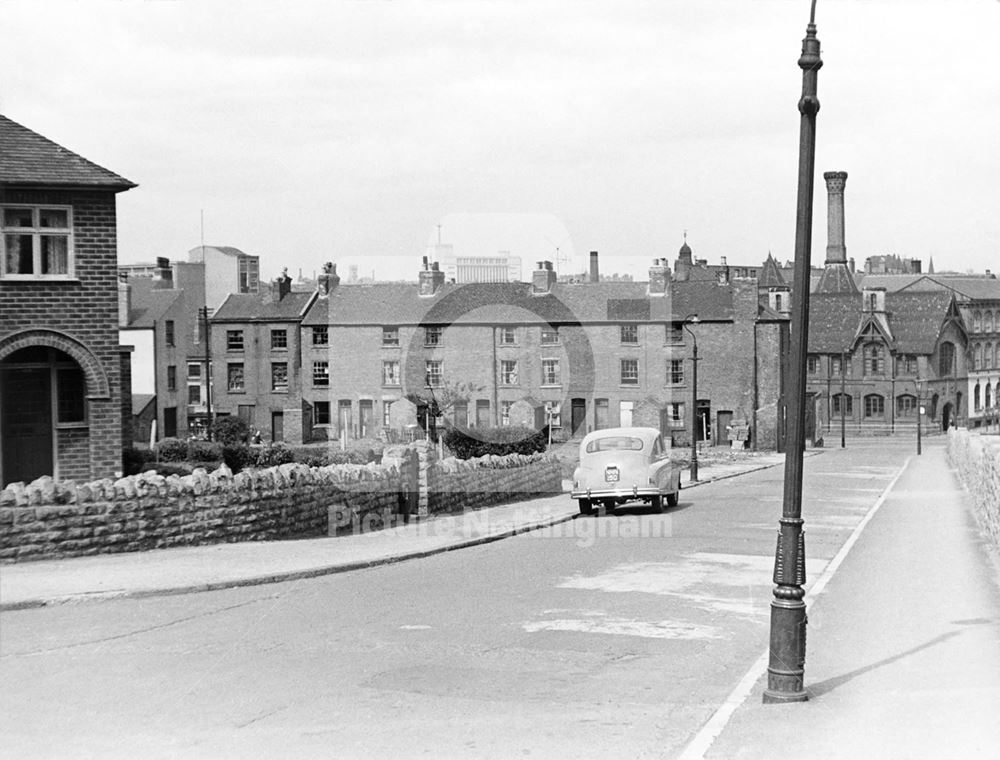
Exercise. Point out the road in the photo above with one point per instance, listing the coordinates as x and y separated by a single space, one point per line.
614 636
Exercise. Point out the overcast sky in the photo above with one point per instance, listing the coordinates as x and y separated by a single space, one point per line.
347 131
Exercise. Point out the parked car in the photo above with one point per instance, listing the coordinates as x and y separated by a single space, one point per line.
618 465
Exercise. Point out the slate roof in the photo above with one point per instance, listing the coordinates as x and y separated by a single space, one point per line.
259 307
140 401
148 303
770 274
27 158
836 278
513 302
975 288
914 319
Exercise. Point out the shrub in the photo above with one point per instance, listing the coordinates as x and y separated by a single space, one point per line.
171 450
271 455
133 460
230 431
204 451
236 456
500 441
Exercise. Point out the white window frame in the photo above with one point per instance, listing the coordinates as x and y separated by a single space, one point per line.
37 232
550 378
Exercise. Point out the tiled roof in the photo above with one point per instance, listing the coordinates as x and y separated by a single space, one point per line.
140 401
239 307
513 302
914 319
27 158
770 273
149 304
976 288
836 278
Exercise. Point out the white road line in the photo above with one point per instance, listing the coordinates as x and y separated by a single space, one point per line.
712 729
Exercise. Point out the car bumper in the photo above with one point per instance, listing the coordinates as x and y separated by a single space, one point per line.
624 492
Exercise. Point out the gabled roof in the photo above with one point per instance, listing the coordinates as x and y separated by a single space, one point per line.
770 274
836 278
149 304
975 288
513 302
198 252
140 401
261 307
917 319
27 158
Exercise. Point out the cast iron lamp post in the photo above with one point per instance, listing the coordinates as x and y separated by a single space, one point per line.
786 663
918 383
692 319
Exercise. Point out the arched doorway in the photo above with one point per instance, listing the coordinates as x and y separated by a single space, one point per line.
946 412
42 399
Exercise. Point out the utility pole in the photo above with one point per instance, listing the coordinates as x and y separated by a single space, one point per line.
786 664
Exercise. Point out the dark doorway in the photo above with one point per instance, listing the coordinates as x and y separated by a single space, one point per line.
703 421
578 415
946 416
26 412
170 422
277 426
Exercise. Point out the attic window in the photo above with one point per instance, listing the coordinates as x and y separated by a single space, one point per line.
36 242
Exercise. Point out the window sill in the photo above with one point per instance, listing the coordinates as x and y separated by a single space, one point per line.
39 278
72 425
234 391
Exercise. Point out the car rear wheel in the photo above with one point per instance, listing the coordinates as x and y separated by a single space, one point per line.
656 503
586 507
672 498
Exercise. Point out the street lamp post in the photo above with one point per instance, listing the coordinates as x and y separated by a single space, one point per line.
920 411
843 398
692 319
786 663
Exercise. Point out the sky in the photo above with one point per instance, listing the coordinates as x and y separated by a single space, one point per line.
322 130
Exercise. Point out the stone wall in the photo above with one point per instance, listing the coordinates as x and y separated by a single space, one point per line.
48 519
977 459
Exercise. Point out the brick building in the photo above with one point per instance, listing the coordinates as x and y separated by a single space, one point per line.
256 355
64 380
581 355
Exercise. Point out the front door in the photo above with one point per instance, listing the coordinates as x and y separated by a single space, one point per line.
366 417
946 416
277 426
724 421
26 413
578 414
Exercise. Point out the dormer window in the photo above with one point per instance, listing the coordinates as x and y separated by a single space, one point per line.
36 242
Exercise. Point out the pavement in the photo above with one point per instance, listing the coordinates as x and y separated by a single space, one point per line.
207 568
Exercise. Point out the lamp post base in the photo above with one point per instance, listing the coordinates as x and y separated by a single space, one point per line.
786 669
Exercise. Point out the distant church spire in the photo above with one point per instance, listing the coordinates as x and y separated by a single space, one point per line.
930 265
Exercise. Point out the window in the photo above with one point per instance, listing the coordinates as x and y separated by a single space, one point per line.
550 372
906 364
432 373
977 321
976 398
838 363
508 372
550 335
507 336
629 371
234 340
432 336
988 322
946 359
279 376
171 377
194 371
279 340
988 360
194 394
249 274
675 371
630 334
843 404
321 413
390 336
505 407
553 414
906 405
675 332
71 402
321 337
168 332
390 373
977 357
874 355
874 405
234 377
677 414
387 413
37 242
989 397
321 373
777 302
615 443
812 364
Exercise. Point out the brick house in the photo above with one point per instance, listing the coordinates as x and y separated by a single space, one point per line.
256 359
582 355
64 381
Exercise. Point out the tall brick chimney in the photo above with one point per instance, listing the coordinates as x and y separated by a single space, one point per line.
595 274
836 249
328 280
430 278
124 299
659 278
543 278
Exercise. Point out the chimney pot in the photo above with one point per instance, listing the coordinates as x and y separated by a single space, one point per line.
595 274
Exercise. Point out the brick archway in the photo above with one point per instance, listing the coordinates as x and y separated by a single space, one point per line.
97 379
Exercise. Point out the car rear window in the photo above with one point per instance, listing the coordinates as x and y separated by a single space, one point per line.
617 442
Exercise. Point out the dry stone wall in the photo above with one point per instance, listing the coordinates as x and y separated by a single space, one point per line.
977 459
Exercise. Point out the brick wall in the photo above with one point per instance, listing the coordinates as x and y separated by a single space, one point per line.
977 459
49 519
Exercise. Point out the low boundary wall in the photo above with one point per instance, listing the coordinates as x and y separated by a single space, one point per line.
977 459
48 519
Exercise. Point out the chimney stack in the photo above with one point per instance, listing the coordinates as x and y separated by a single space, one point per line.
595 275
836 249
431 278
543 278
124 299
659 278
328 280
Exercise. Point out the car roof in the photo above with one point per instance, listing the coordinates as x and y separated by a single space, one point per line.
647 434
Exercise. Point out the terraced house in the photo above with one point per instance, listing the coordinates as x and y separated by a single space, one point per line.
64 381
